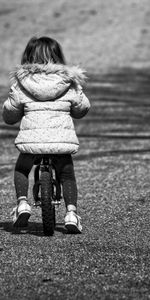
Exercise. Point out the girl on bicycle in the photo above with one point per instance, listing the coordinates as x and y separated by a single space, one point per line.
44 97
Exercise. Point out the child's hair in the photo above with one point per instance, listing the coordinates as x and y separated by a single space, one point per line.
42 51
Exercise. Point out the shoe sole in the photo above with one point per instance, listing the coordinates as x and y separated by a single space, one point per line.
22 220
72 228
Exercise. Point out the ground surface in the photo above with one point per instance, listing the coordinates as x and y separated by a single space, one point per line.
110 259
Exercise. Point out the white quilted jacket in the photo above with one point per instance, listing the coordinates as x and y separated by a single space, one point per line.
45 98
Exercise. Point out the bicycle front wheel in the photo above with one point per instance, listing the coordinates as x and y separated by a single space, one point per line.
48 210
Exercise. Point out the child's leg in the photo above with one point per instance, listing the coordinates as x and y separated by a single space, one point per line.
65 171
22 211
23 167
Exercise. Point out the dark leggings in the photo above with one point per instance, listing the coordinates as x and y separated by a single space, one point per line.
64 169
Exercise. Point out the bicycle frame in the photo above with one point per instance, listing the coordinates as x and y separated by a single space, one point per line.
45 164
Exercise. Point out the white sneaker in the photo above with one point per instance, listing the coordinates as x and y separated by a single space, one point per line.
72 222
21 213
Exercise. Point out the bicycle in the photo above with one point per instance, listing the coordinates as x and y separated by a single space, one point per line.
46 191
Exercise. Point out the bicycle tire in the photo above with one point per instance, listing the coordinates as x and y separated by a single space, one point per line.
48 210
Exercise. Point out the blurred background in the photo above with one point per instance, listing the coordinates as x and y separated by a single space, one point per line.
99 35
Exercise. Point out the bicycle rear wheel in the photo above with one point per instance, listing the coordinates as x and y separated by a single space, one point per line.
48 209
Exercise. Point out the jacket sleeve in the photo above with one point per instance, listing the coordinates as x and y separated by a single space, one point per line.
80 104
12 111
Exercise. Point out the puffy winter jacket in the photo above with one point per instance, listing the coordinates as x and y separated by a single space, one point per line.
45 98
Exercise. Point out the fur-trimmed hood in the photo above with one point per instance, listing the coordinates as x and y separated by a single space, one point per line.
47 82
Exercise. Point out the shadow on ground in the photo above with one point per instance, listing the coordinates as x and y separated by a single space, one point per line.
34 228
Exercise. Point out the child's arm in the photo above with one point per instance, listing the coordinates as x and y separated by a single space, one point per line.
80 104
12 108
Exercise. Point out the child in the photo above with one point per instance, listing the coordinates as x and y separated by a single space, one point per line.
45 95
